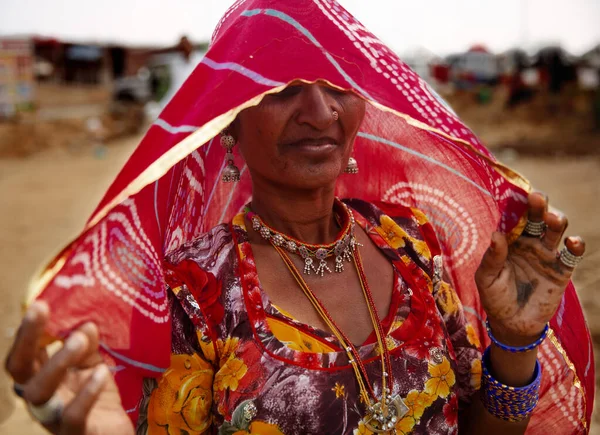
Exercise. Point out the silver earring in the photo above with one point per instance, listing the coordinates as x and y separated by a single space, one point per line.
336 115
231 173
352 167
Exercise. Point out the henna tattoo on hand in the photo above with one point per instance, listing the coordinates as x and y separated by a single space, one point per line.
524 292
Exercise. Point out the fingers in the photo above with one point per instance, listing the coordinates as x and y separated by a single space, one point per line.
21 361
556 225
575 245
493 261
79 347
75 415
92 357
44 384
538 204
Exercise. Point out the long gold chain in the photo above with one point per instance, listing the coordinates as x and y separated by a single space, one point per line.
353 355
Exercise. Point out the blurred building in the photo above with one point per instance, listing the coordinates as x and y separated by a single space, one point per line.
421 61
477 65
588 73
68 62
16 76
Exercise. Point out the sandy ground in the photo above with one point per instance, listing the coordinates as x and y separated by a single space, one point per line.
47 197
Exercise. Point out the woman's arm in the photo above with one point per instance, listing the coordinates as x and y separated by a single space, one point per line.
521 286
514 369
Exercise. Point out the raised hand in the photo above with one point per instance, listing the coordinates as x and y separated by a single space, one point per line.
72 392
521 285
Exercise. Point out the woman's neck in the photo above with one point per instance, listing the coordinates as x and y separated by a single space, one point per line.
307 216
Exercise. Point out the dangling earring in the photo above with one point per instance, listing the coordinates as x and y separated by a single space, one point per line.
352 167
231 173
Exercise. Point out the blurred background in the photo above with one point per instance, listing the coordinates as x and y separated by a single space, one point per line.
80 81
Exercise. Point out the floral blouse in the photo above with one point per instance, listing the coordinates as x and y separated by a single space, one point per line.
241 365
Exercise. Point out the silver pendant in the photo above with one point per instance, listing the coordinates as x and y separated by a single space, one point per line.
339 264
383 419
308 267
437 355
320 270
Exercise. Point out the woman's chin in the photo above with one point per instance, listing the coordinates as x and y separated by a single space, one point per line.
313 177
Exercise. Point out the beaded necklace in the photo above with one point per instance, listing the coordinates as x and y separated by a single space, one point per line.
384 412
342 248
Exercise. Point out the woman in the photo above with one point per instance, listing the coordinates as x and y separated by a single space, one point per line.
302 313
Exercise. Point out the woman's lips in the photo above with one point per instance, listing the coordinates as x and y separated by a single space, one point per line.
314 145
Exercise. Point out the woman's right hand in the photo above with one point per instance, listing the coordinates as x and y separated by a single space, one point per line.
76 374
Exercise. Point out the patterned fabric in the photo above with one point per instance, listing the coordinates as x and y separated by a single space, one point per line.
236 343
418 152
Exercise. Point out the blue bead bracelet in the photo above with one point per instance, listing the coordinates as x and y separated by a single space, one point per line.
520 349
505 402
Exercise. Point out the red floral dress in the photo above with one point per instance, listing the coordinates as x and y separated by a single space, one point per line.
240 365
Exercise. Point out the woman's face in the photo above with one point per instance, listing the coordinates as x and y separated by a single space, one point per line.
292 139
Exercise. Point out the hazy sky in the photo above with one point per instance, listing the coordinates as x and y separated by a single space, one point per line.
442 26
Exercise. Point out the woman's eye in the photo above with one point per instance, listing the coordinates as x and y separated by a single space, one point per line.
290 91
336 92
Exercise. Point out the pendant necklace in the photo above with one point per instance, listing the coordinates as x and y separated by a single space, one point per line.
386 409
315 256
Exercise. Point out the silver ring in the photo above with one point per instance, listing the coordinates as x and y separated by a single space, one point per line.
534 229
569 259
336 115
48 413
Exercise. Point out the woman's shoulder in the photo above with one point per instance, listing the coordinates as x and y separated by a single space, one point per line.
398 224
196 271
374 210
207 250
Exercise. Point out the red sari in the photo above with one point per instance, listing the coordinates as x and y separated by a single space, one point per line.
413 150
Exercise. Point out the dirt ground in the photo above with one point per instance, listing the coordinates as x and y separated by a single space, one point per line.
45 201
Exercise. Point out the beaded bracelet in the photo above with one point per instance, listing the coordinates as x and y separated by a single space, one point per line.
513 349
505 402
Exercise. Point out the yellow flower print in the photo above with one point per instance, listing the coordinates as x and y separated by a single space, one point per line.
476 374
183 399
421 248
406 425
447 298
207 347
230 374
227 348
260 428
391 345
417 402
397 324
396 237
419 216
391 232
442 379
239 221
340 390
472 336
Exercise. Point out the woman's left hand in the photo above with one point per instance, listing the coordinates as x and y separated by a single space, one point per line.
521 285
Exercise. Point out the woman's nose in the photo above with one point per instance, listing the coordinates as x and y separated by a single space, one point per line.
316 107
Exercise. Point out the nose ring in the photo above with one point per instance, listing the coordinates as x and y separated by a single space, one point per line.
336 115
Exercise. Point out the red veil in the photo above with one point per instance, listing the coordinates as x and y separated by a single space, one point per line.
412 149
